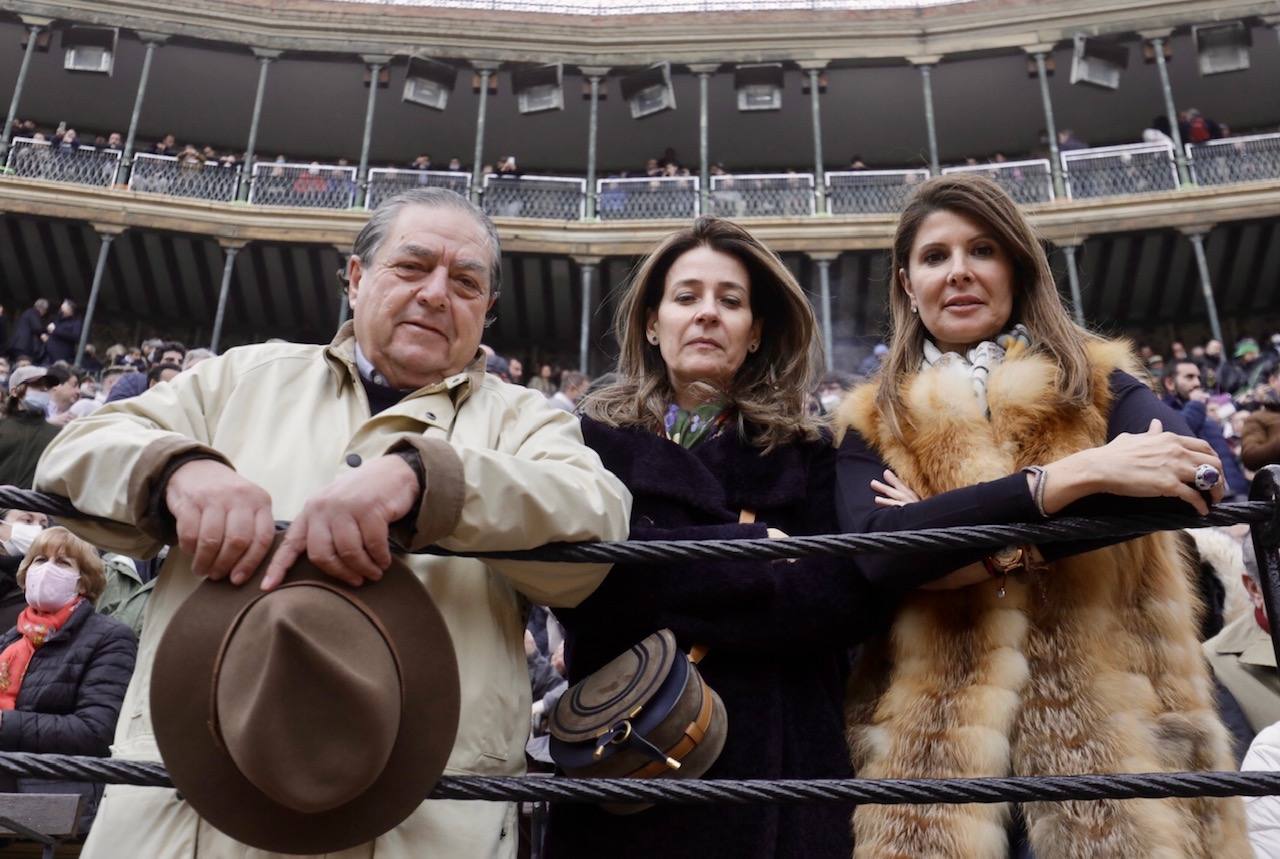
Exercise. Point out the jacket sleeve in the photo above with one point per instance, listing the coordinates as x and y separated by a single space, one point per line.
1260 441
1263 812
87 730
1194 414
109 463
539 484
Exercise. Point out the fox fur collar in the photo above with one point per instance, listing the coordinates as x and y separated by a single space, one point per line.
1091 666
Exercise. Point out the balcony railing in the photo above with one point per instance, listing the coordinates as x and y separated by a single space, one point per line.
866 192
560 198
1111 171
1255 158
762 195
385 182
165 174
1028 182
39 159
312 186
647 198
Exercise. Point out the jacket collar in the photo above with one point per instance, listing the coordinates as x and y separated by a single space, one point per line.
1245 638
341 356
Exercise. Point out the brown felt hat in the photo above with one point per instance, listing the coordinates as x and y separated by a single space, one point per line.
311 718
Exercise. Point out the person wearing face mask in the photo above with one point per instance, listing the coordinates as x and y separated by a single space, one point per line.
18 530
63 667
994 407
708 424
24 431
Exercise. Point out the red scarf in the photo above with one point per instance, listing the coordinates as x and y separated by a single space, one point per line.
36 628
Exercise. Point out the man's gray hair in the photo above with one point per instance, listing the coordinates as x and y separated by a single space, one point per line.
374 232
1250 560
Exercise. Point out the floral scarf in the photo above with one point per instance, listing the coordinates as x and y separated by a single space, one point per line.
981 359
688 428
36 627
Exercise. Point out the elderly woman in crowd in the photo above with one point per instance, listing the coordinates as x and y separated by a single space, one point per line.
707 426
993 407
18 530
63 668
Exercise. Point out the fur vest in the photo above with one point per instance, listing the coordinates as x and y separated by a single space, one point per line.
1089 666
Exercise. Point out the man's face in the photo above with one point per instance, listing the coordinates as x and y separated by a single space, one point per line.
1186 379
171 356
114 140
515 369
419 304
65 394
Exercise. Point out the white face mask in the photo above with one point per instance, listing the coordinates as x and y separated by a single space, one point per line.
21 536
50 586
37 400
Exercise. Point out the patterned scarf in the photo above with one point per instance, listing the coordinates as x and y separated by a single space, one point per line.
36 628
981 359
689 428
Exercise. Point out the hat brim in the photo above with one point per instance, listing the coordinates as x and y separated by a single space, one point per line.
204 773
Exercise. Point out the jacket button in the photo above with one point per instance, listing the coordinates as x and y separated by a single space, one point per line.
431 416
353 460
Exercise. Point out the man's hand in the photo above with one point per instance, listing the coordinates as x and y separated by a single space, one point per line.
343 528
224 521
1199 395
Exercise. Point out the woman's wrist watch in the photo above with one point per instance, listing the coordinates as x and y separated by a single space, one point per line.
1003 562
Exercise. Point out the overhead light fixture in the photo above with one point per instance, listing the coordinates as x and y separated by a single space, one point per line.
759 86
1223 47
90 49
539 88
428 82
649 91
1098 63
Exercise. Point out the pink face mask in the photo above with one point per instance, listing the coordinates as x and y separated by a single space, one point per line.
50 586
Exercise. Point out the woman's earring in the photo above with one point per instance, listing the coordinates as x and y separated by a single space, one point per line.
915 309
753 347
653 339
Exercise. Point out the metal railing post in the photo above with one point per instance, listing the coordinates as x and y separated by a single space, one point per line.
246 170
375 65
1073 279
476 172
152 41
594 76
229 249
704 72
33 30
1197 235
926 64
587 266
107 235
1179 153
814 73
1055 161
824 261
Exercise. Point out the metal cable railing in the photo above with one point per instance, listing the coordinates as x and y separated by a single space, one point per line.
1262 513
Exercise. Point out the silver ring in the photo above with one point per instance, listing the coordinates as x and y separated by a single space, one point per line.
1207 477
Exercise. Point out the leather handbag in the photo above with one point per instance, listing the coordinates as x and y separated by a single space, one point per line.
647 714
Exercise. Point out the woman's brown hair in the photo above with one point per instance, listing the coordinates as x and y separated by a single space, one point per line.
771 389
1036 303
58 540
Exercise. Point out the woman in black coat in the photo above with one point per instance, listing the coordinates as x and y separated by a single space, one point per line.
63 667
709 419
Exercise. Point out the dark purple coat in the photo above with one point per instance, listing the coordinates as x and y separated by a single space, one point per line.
778 635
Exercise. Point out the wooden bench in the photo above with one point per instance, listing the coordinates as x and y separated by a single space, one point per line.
45 818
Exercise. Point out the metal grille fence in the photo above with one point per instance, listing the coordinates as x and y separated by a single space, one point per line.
762 195
165 174
1028 182
1254 158
313 186
386 182
862 192
39 159
647 198
1109 171
559 198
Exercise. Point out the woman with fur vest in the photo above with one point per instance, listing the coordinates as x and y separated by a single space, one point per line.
707 424
994 407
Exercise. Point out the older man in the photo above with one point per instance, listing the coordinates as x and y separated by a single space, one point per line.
391 429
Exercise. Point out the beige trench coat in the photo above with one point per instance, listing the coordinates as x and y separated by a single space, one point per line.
505 471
